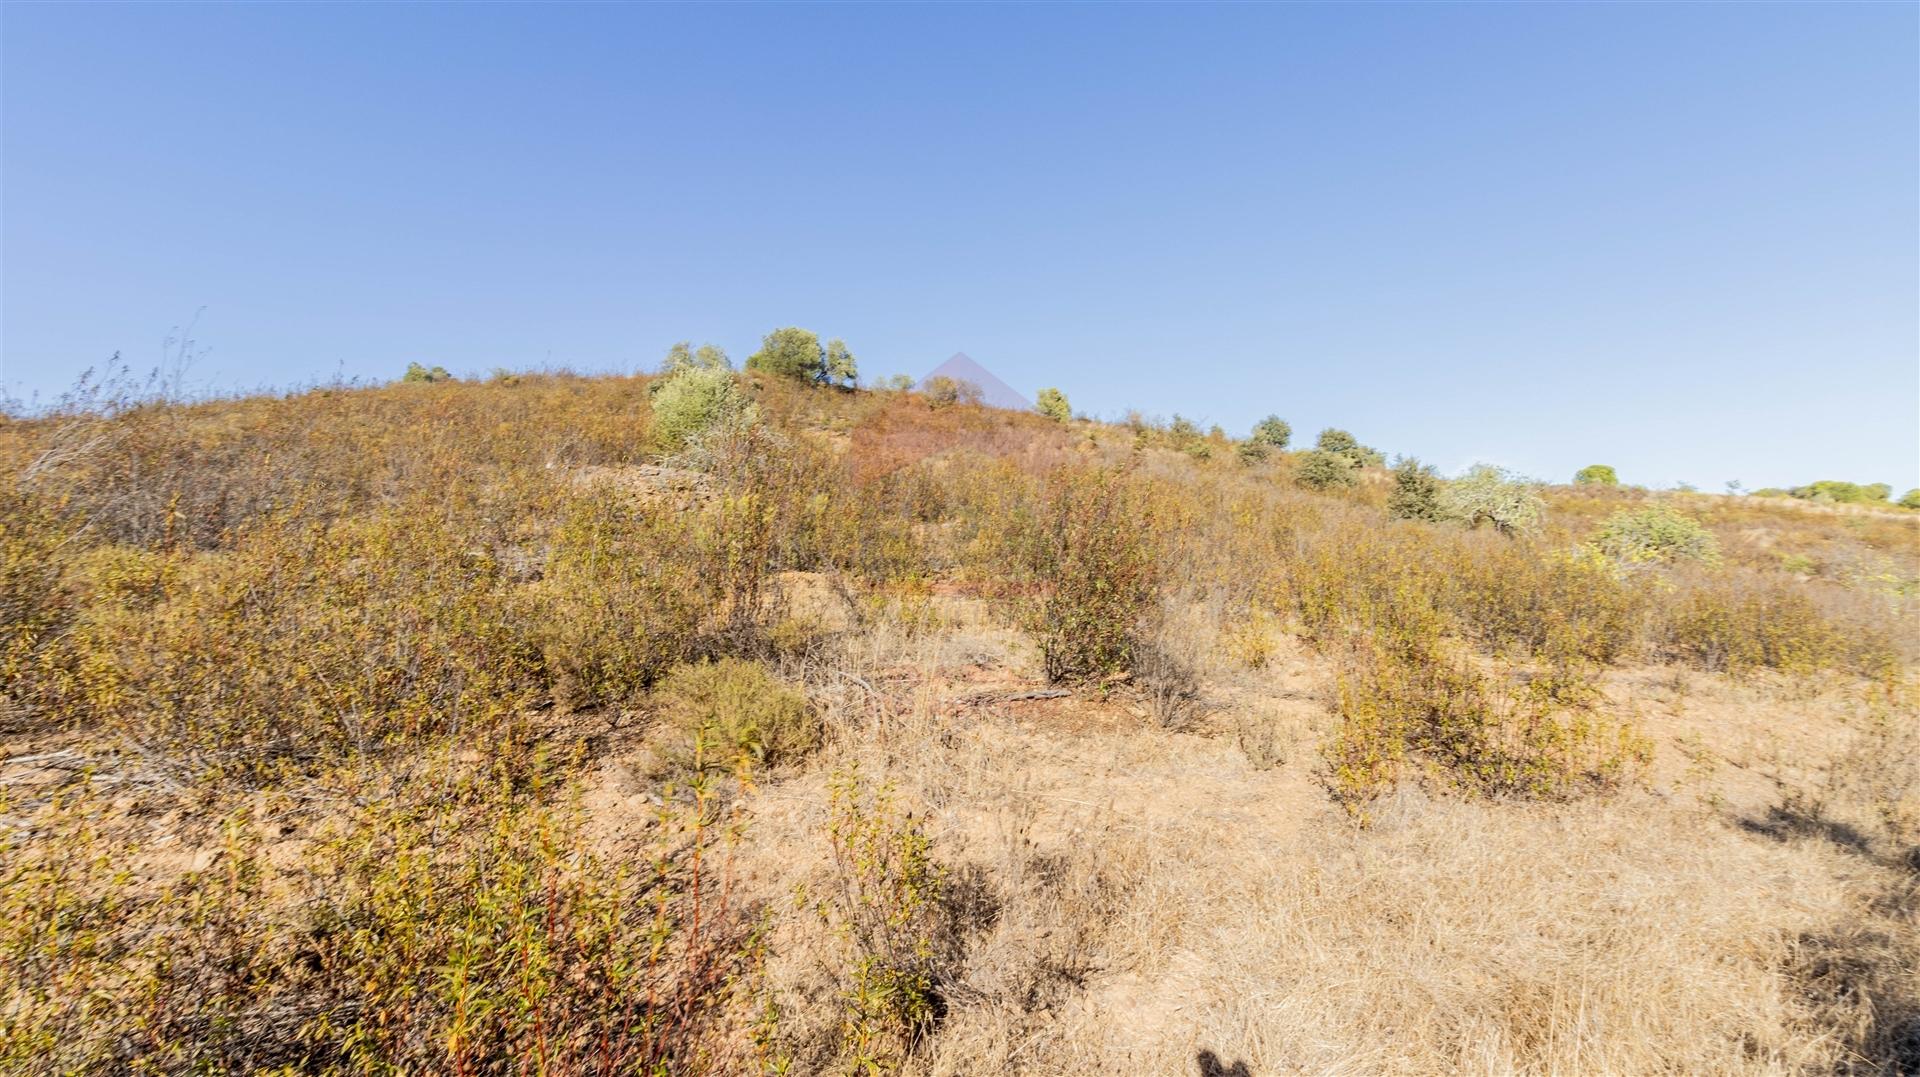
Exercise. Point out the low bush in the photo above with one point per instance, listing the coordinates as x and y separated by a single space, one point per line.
1053 404
1416 492
463 926
36 607
720 713
1318 470
1341 443
307 644
944 392
1653 534
1733 623
1553 605
622 599
1596 475
694 401
886 904
1405 706
1092 554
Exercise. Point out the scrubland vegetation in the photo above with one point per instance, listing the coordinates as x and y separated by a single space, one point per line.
717 722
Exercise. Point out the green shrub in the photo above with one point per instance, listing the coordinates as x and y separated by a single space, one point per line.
1272 431
621 602
791 353
1183 433
887 905
719 713
1252 452
1414 709
1596 475
1910 500
696 400
417 373
1843 493
1732 628
1655 533
1341 443
1053 404
840 367
1319 470
1093 559
1554 604
36 607
309 645
1416 492
1487 494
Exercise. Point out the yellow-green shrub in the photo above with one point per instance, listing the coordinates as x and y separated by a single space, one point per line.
1092 555
463 925
1734 623
621 600
306 644
1417 708
36 604
717 713
885 902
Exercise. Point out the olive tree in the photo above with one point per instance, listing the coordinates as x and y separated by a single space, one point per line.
791 353
840 368
1487 494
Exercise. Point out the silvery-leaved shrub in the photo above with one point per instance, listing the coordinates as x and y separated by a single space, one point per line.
1654 534
695 400
1488 494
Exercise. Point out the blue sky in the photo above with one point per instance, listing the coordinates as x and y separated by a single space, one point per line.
1676 238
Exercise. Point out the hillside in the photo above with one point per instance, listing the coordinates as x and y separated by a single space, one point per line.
532 726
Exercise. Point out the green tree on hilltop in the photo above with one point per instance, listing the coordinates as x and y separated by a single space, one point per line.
791 353
1416 492
1053 404
1341 443
1322 470
1272 432
840 368
682 356
417 374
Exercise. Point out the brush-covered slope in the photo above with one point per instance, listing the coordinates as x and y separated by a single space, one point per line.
508 727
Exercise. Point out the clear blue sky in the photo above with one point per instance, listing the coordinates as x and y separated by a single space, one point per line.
1677 238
